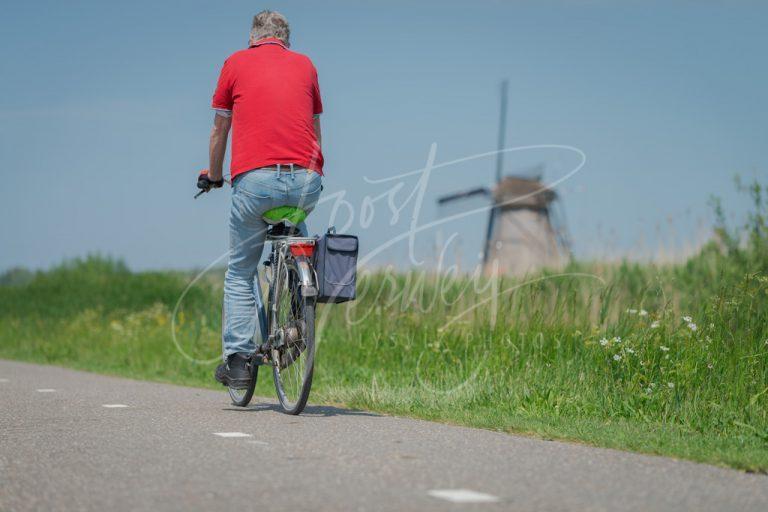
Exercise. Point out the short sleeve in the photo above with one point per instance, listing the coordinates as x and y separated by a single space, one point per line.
317 103
223 97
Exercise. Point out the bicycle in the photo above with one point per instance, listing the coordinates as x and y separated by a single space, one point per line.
290 310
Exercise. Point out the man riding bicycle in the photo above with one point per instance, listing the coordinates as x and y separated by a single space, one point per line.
269 96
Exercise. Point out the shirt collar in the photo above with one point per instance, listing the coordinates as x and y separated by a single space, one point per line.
268 40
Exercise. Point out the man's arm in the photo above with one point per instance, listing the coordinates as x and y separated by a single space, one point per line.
318 133
218 146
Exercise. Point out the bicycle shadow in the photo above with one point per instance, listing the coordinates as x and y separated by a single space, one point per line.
315 411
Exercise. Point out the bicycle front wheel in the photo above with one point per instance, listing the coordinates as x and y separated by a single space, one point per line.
294 328
241 397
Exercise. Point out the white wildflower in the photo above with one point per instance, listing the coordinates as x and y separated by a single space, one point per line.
671 385
643 312
687 319
629 351
710 366
632 311
655 324
603 342
692 326
664 349
616 357
617 339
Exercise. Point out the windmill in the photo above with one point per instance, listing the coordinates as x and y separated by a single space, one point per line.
525 231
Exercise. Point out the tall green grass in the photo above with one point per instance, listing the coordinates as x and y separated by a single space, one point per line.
659 359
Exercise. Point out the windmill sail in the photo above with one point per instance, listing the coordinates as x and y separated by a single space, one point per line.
466 194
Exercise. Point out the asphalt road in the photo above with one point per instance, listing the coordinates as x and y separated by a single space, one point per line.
62 449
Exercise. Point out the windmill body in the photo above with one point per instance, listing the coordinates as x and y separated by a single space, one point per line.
522 236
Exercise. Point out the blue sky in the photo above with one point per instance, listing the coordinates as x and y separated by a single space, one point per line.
104 116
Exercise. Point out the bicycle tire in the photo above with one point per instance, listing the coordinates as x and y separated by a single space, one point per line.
242 397
306 305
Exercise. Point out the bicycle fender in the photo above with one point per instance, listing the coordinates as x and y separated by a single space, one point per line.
307 277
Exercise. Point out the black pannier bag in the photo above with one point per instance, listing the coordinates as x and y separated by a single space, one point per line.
336 266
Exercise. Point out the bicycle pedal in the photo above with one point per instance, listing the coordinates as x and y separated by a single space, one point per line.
259 359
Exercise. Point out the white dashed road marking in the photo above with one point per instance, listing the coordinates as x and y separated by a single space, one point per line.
46 390
463 496
262 443
114 406
231 434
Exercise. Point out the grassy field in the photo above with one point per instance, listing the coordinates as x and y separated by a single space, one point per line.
670 360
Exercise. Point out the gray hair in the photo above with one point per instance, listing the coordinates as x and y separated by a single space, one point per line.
270 24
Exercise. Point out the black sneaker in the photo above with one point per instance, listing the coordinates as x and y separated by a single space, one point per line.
236 372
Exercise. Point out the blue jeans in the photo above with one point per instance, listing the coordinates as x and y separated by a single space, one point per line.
255 192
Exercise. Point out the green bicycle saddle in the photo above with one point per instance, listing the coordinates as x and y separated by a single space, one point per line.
289 215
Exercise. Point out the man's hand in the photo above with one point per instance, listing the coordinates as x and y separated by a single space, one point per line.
205 183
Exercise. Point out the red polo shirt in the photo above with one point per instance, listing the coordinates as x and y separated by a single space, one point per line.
273 95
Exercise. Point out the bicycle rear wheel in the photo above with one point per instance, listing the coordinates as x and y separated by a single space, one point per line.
294 328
